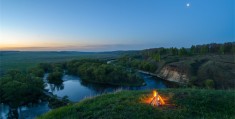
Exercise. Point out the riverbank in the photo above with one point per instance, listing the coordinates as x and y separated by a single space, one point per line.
75 90
181 104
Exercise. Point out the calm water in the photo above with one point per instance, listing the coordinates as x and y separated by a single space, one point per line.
26 112
76 90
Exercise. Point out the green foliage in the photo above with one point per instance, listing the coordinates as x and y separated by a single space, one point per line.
99 72
193 49
55 72
20 89
174 51
192 81
204 49
23 60
221 73
183 52
196 64
38 72
157 57
139 63
46 67
209 83
55 77
221 49
185 104
55 103
211 65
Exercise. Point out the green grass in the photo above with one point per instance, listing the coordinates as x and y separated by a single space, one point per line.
184 104
27 59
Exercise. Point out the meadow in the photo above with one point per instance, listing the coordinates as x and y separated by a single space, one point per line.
180 104
24 60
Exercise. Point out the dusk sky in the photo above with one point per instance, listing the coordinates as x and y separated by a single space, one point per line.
105 25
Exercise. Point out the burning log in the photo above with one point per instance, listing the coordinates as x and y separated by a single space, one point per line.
157 99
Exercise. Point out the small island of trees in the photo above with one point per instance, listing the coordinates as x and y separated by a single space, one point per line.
99 72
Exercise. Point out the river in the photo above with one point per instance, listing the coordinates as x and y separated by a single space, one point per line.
76 90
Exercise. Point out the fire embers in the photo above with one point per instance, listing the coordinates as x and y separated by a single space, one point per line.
157 99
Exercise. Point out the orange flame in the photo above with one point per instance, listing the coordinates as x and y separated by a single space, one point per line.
159 98
154 93
154 99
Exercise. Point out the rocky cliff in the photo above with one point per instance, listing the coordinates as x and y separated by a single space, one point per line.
173 73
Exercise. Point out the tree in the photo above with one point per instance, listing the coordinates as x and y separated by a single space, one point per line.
193 49
221 49
19 89
183 52
204 49
38 72
228 47
157 57
55 77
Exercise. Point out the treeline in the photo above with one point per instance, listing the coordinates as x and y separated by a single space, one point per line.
99 72
152 59
213 48
226 48
140 64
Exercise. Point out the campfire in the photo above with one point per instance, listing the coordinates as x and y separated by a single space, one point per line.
157 99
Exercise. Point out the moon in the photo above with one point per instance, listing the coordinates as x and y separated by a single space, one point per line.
188 4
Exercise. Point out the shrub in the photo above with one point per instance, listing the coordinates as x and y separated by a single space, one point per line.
209 83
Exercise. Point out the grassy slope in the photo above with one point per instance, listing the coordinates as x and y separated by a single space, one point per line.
219 68
188 103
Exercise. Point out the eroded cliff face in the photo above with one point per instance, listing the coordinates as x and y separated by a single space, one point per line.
173 73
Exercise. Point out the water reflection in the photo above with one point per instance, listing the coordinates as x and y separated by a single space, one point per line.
24 112
55 87
77 90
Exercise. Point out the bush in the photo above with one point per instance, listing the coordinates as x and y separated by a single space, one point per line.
209 83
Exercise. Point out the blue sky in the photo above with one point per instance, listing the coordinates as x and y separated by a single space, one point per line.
101 25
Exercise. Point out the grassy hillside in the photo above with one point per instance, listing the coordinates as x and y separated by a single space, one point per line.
216 68
181 104
219 69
